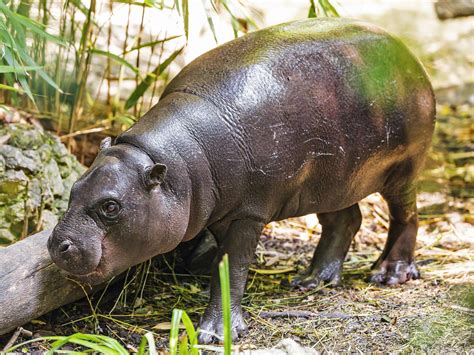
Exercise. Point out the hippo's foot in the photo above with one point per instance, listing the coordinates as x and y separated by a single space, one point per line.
211 327
314 276
394 272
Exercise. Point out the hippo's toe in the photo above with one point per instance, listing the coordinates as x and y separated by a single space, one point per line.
394 272
313 277
211 328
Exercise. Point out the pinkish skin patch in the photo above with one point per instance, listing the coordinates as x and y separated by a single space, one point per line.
372 28
351 51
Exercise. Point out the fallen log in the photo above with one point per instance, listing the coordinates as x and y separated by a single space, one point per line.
30 284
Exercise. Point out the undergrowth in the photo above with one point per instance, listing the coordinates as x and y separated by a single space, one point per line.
186 343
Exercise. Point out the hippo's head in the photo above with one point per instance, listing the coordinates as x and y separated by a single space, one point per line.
120 213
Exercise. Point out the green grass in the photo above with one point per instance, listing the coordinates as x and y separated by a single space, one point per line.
225 294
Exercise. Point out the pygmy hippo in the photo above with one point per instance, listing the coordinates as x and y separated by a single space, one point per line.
304 117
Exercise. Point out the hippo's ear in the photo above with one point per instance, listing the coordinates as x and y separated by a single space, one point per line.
105 143
155 175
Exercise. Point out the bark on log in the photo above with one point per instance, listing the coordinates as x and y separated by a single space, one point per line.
30 284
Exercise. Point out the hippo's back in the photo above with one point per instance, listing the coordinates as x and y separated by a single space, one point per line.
320 102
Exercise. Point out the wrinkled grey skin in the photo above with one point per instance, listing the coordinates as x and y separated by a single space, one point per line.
304 117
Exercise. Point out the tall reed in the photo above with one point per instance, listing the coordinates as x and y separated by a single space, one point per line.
68 61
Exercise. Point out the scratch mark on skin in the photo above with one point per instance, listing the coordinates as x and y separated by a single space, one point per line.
277 125
262 171
316 138
311 157
322 154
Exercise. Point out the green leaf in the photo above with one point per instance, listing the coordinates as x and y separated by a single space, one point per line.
125 119
209 19
41 72
79 5
10 88
145 3
183 346
312 9
98 343
328 8
175 320
178 8
19 70
324 6
30 24
8 56
151 44
191 333
116 58
186 18
150 79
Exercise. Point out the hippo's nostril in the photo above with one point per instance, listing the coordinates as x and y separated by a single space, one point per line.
64 246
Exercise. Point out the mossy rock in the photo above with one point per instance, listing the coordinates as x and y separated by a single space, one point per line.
36 176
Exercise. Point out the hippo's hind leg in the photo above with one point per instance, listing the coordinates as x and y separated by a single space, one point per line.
396 265
338 230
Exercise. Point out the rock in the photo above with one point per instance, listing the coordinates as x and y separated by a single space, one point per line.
36 176
15 159
48 220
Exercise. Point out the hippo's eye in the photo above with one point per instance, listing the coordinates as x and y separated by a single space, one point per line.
110 209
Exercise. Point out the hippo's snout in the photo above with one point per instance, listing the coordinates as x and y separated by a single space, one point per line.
74 255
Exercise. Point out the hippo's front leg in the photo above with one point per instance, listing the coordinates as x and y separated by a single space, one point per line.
239 242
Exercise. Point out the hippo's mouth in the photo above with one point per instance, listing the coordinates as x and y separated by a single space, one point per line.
96 277
101 273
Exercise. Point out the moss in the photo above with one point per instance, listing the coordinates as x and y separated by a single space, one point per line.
448 327
37 174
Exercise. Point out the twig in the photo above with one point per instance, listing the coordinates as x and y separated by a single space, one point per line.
18 332
78 133
303 314
463 309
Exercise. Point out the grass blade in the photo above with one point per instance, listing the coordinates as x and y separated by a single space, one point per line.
225 294
98 343
174 332
147 338
183 345
191 333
